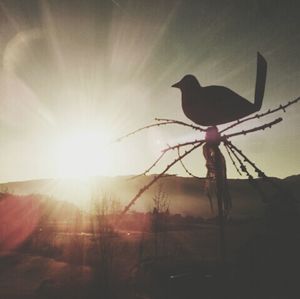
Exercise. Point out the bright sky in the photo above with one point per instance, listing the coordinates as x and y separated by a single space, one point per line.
77 74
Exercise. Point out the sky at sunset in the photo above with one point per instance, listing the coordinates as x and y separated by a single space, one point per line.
76 75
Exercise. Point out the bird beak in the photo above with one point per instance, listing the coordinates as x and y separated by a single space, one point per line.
176 85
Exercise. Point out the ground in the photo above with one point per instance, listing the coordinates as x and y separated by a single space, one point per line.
259 265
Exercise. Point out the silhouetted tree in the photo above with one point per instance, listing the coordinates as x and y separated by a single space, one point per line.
105 209
160 215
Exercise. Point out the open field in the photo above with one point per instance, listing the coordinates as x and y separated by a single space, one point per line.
53 249
127 265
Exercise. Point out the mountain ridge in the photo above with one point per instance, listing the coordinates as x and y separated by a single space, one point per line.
186 194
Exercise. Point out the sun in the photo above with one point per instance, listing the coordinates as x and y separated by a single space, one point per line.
83 153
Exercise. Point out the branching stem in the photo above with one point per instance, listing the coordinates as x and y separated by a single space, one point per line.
156 178
259 128
173 121
280 107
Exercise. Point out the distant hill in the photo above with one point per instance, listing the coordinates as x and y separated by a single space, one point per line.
20 216
186 195
39 205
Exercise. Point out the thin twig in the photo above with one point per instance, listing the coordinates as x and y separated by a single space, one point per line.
243 167
259 172
185 168
141 129
156 178
284 193
162 122
280 107
150 168
173 121
232 160
244 132
164 151
199 178
183 144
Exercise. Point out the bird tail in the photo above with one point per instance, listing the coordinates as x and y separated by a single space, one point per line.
261 74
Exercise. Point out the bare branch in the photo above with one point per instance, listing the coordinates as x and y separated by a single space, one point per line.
268 125
161 122
285 193
280 107
259 172
173 121
156 178
184 167
169 148
150 168
141 129
199 178
243 167
232 160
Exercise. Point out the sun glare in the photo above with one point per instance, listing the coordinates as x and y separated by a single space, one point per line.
83 153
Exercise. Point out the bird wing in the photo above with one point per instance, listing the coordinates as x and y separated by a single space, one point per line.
224 98
215 105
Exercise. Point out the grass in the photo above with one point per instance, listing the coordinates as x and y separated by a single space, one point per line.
73 266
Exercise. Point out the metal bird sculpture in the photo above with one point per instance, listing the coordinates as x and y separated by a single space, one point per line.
215 105
211 106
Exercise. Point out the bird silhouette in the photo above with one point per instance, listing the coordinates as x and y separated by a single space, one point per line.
215 105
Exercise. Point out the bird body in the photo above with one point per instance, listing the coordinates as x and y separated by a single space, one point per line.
224 105
215 105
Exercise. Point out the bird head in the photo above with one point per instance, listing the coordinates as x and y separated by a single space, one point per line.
188 82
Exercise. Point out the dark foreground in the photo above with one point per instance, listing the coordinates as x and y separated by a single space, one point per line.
174 264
